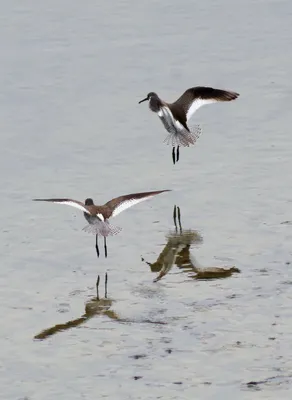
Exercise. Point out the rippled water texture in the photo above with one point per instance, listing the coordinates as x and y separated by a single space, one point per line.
71 76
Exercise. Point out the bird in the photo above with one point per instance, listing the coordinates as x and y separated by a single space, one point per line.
98 216
175 116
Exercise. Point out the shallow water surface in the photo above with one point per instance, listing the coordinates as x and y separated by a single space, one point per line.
72 74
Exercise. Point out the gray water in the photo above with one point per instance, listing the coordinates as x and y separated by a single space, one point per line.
71 76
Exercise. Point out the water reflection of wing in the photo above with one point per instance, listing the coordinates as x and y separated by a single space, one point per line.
211 272
167 262
184 259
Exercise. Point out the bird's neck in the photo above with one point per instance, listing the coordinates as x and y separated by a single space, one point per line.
155 104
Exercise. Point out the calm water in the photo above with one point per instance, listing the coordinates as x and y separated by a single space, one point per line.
71 76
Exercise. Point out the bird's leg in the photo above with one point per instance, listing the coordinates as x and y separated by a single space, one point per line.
179 221
105 286
97 285
105 247
177 154
173 155
96 246
174 217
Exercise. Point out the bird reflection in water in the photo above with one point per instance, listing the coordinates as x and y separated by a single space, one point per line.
177 252
177 248
95 306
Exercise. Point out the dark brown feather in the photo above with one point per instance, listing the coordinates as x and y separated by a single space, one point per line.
179 114
205 93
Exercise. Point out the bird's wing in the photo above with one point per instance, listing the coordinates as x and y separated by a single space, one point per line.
68 202
121 203
194 98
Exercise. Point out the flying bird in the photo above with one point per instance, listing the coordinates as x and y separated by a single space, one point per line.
98 216
175 116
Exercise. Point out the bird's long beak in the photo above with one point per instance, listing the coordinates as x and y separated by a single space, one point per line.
141 101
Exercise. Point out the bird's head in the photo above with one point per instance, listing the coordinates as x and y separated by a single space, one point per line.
89 202
149 96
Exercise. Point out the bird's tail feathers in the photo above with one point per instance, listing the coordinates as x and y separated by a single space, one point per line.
102 229
184 138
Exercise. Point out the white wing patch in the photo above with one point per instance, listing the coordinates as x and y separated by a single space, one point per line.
196 104
179 126
100 216
73 204
165 112
167 118
127 204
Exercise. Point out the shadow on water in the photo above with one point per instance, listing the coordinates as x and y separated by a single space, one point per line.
177 252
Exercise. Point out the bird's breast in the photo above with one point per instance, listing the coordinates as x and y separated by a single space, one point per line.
167 119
